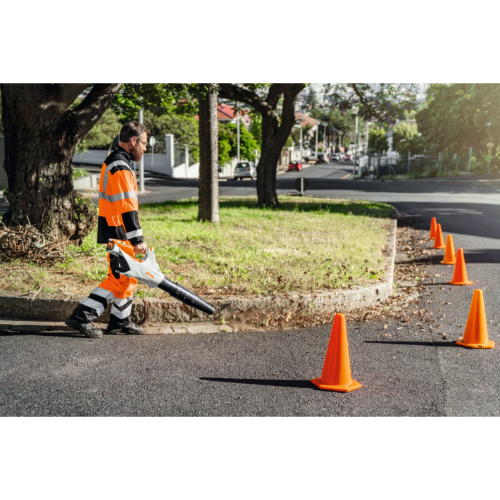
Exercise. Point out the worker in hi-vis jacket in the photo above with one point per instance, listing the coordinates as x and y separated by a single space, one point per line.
118 219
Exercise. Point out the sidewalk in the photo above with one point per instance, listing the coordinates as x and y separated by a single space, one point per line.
39 326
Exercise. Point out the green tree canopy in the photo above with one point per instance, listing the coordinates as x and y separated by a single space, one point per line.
461 115
406 138
377 139
228 143
102 133
334 118
183 128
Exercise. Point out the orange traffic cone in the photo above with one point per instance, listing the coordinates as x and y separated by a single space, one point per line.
476 329
460 272
433 229
439 241
336 374
449 253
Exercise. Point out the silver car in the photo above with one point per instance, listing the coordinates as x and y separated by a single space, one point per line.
245 169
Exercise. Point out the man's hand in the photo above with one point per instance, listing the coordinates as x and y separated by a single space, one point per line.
142 248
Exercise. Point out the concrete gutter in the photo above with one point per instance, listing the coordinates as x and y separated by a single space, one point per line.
152 310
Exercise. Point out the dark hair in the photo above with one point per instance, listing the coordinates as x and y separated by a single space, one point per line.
132 129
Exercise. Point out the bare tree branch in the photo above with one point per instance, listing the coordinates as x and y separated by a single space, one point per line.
274 94
231 91
86 115
63 95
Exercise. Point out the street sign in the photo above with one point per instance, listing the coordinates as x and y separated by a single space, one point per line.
301 185
152 141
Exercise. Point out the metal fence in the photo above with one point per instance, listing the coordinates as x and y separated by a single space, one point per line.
378 165
427 164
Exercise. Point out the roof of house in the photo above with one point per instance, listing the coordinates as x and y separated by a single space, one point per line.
306 120
226 112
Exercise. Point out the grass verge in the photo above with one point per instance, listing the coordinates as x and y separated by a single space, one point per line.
308 244
79 172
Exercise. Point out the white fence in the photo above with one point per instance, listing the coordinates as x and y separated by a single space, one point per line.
159 163
3 174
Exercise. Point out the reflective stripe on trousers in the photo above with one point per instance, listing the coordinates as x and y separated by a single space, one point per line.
119 290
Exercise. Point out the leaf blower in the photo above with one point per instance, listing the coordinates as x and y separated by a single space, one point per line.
148 272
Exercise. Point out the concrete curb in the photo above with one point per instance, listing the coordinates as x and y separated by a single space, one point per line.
152 310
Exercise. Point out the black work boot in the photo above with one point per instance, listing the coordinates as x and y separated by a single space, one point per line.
131 329
86 328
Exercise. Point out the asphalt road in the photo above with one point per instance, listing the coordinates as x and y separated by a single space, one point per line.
403 371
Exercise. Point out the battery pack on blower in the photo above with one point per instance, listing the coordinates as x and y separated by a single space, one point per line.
147 271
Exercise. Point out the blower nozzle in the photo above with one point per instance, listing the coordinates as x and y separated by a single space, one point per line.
184 295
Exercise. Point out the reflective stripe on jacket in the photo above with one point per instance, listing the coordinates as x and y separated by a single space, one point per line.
118 204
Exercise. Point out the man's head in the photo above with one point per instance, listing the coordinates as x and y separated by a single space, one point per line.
134 139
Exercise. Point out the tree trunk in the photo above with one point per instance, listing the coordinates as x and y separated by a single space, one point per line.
41 135
268 162
38 163
208 186
275 130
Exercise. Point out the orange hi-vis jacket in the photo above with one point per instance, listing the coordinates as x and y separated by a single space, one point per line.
118 204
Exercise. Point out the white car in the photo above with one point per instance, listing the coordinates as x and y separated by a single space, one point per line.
310 158
245 169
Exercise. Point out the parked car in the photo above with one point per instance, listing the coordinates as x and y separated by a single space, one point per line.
348 156
245 169
294 165
322 158
337 157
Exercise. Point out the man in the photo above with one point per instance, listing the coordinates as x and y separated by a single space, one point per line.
118 219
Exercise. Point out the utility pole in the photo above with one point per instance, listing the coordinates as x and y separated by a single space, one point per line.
355 146
141 164
470 158
316 147
490 147
367 135
238 122
152 142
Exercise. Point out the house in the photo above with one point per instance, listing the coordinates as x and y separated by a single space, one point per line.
228 114
306 120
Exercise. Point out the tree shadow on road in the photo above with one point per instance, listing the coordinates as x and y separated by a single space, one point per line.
411 342
427 187
485 256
